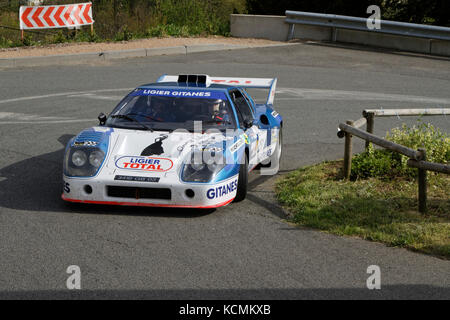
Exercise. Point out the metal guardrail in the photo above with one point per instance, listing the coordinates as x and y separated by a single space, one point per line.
353 23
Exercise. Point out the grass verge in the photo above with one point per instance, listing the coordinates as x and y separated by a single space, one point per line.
373 209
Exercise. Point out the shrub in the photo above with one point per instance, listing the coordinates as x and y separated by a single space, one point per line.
177 31
375 163
5 43
424 135
60 37
158 31
124 34
28 40
86 36
385 163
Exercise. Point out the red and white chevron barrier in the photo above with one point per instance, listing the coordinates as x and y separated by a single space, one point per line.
46 17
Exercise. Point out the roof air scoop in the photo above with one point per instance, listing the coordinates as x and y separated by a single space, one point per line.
197 79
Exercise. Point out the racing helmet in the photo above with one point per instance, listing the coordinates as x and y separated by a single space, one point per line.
217 107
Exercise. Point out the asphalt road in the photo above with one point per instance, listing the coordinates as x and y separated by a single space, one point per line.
244 250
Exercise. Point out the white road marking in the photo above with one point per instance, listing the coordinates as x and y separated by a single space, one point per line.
52 95
96 97
22 118
296 93
47 122
323 94
26 117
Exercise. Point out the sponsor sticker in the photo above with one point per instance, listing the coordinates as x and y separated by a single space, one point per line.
144 163
231 81
136 179
274 135
220 191
66 187
246 139
275 114
180 93
235 146
86 143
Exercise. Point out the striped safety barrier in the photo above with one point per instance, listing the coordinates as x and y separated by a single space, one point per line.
63 16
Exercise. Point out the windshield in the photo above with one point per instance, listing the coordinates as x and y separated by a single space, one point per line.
172 109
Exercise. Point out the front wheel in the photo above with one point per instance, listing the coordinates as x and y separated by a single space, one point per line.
242 180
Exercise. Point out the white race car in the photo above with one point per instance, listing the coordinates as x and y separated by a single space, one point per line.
184 141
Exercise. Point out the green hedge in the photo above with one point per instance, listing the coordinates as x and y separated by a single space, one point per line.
387 164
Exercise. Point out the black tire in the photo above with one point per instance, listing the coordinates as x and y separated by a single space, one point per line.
242 181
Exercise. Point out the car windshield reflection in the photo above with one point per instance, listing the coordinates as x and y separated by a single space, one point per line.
169 113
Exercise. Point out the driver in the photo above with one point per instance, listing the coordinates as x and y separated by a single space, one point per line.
218 111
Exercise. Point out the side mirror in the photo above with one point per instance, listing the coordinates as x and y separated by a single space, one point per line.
102 118
248 123
264 120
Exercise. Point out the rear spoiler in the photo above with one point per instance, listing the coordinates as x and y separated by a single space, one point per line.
205 80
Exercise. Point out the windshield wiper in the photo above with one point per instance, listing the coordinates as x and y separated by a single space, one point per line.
127 117
163 129
145 116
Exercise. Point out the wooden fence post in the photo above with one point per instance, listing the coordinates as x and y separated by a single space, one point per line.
422 184
348 152
370 123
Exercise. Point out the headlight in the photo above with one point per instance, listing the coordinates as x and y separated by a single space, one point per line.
199 170
197 161
82 161
197 166
79 158
96 158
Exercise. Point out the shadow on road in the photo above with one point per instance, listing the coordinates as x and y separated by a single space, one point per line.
35 184
386 292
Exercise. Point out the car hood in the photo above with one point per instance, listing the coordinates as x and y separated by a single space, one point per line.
127 147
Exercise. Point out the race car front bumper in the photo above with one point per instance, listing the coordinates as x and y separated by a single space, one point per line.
151 194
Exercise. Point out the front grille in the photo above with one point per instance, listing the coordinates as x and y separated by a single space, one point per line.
139 193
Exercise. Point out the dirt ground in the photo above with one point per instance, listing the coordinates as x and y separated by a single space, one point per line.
71 48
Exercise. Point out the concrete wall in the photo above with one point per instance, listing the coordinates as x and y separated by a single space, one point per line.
263 27
441 48
383 40
274 28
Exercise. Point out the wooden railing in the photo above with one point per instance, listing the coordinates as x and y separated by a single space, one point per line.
417 158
